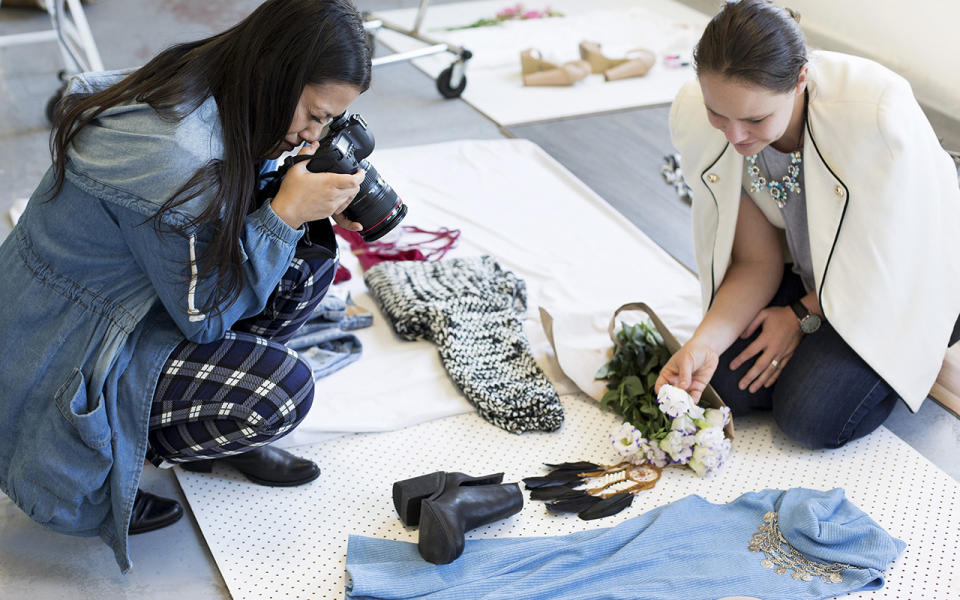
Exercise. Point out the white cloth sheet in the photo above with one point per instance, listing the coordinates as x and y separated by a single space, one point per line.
514 202
494 83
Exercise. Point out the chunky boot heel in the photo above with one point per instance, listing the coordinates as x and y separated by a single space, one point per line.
408 494
448 516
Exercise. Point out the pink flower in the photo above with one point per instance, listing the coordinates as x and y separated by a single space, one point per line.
510 12
531 14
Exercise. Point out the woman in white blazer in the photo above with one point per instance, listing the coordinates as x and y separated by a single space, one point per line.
825 216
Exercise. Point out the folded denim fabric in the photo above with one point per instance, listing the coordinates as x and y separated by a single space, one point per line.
341 312
327 350
323 340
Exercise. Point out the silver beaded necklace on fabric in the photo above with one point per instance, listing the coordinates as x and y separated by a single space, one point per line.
778 189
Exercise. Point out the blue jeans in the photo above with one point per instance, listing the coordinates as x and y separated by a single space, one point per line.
826 394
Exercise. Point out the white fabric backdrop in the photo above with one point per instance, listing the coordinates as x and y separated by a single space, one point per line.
494 85
514 202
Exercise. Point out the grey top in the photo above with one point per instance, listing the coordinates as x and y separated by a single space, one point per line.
773 165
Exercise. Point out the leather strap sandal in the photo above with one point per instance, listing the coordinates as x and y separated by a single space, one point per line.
566 74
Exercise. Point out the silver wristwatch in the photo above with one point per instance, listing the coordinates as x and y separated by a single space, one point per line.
809 322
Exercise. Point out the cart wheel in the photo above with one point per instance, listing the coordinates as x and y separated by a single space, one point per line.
443 83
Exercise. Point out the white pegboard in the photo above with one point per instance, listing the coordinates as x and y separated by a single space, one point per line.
273 543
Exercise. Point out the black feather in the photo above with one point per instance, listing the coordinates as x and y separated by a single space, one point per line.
539 482
550 492
607 507
563 474
574 504
575 466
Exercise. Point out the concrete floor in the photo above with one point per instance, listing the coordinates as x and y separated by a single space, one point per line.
618 155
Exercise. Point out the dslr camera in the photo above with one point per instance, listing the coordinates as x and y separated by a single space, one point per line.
344 150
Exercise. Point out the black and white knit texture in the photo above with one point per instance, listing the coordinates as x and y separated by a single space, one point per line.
473 310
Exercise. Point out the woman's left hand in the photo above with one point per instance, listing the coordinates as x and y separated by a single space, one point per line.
779 336
346 223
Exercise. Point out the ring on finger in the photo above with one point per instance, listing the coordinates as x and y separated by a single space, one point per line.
775 364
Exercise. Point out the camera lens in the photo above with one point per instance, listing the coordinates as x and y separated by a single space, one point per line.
377 207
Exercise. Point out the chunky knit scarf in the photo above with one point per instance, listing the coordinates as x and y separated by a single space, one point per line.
473 311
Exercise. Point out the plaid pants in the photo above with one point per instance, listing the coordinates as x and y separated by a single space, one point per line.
243 391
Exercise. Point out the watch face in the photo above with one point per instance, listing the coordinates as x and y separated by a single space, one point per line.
810 323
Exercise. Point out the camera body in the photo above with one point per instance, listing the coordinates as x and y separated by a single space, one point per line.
344 150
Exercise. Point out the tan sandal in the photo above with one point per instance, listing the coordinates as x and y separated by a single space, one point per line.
532 62
566 74
638 66
590 52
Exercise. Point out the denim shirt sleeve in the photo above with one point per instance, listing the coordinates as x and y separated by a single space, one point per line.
170 261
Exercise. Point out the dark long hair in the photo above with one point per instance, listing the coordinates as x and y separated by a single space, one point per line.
755 42
256 72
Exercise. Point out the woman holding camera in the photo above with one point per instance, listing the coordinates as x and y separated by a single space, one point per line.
148 295
833 153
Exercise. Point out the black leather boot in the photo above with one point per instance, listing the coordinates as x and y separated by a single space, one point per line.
409 493
447 515
153 512
265 465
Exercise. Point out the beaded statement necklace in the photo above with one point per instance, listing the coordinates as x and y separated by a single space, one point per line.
778 189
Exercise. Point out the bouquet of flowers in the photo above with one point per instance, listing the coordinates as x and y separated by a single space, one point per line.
695 436
669 429
512 13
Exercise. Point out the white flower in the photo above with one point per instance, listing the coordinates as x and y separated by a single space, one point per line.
710 437
640 456
707 460
717 417
656 456
695 412
684 424
674 401
626 440
678 446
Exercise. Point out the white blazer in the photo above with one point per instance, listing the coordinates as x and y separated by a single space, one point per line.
883 211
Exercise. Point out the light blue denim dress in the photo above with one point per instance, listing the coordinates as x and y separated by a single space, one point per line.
93 302
689 549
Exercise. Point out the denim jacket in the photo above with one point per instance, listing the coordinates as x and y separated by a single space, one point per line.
94 300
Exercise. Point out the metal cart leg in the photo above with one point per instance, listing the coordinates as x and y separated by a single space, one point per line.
452 81
74 41
74 35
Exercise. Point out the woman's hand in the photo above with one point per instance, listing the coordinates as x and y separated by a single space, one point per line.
690 368
779 336
306 196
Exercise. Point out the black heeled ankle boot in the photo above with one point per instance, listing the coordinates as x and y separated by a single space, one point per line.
408 494
447 515
264 465
153 512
